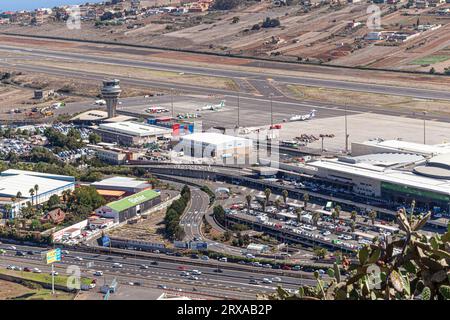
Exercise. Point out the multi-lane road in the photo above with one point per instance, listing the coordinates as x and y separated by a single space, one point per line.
228 284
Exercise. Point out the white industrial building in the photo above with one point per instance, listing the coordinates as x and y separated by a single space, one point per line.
396 171
215 145
130 133
13 182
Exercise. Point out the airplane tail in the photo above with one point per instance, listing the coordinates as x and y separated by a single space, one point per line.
222 103
313 113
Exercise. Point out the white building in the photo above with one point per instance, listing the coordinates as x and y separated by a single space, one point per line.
131 133
13 182
215 145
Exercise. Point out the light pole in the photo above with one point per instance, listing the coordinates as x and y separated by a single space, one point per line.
346 130
171 100
238 108
271 109
424 128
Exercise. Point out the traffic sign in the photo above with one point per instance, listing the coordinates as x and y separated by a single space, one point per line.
52 256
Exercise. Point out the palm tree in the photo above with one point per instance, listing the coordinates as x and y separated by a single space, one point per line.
337 209
19 196
263 205
298 214
373 216
31 192
316 217
267 193
413 207
278 204
248 198
7 211
305 200
334 215
284 194
14 199
353 215
353 225
36 189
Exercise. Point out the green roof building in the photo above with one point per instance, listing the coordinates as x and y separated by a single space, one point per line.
130 206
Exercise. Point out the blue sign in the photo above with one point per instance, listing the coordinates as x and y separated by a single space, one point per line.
106 241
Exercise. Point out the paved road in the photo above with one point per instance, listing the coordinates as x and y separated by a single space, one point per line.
231 283
260 81
335 84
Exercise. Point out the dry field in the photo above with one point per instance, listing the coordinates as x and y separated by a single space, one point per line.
319 34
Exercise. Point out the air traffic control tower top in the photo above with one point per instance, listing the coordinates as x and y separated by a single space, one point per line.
111 91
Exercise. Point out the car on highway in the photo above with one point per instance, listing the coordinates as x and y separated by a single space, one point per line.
195 256
26 269
253 281
242 262
154 263
184 274
296 268
54 273
30 252
37 270
205 258
20 253
266 280
161 286
276 266
218 270
117 265
276 279
144 266
12 248
192 277
66 252
286 268
223 259
182 268
267 266
196 272
79 258
98 273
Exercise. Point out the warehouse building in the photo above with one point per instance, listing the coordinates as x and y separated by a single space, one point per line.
215 145
19 182
131 206
130 133
125 184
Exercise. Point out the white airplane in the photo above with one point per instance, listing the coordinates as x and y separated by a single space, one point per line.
213 107
156 109
303 117
100 102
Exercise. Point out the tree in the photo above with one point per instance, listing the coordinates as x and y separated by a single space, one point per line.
227 235
353 225
320 253
235 20
432 70
373 216
278 204
285 195
36 189
267 193
94 138
248 199
219 214
31 192
305 200
316 217
353 215
225 4
53 201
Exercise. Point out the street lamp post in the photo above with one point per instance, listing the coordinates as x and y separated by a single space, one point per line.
271 109
171 100
346 130
424 127
238 109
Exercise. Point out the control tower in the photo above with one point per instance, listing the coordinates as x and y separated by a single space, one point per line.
111 92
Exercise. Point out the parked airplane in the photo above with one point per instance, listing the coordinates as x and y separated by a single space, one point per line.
100 102
303 117
156 109
213 107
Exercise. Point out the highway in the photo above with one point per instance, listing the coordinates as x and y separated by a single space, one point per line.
231 283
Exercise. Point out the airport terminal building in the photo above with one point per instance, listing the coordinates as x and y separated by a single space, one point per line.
130 133
398 175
